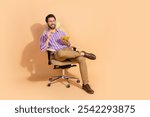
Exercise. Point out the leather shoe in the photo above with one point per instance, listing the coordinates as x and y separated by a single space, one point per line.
87 88
89 55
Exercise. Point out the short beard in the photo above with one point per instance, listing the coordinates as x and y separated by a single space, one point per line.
52 27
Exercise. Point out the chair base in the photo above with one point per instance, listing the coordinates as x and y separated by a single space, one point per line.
54 78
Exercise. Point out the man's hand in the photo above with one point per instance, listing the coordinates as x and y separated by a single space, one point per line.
48 36
65 42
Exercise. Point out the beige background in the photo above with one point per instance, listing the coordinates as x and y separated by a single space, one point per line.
117 31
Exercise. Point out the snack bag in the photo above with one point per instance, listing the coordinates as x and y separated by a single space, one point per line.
66 38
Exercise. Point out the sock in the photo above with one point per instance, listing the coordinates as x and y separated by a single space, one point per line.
82 53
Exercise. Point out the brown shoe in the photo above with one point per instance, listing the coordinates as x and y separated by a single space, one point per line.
89 55
87 88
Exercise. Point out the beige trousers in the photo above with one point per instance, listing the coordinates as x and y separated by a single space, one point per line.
74 56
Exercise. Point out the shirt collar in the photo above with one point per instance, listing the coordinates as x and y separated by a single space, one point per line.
56 30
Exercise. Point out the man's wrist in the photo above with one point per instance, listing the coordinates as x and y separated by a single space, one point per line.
47 38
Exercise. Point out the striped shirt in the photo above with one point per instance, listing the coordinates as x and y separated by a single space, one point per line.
54 41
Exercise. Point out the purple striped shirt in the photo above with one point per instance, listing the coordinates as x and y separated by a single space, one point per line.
54 42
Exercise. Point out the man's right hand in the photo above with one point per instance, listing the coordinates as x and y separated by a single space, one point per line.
48 36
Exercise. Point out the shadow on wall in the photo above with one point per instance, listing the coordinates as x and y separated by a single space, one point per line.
36 61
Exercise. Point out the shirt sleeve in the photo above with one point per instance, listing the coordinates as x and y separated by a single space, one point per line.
43 45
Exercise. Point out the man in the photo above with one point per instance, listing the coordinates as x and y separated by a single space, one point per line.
52 38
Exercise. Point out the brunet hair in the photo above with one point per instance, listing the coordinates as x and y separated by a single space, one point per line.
49 16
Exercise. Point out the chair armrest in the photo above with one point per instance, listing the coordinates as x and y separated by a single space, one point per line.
49 49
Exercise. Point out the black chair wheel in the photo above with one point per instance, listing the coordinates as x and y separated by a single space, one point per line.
49 85
68 86
78 81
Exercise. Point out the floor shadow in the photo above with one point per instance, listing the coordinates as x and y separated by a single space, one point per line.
34 60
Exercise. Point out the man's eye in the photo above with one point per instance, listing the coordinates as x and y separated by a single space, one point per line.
51 21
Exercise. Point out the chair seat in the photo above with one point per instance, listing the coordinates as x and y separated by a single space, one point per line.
55 62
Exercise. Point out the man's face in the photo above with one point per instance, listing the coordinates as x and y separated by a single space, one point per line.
51 23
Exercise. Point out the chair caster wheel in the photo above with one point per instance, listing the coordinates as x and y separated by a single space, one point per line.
49 85
78 81
68 86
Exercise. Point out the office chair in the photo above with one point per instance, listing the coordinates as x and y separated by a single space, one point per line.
60 65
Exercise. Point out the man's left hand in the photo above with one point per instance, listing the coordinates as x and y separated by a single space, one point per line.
65 42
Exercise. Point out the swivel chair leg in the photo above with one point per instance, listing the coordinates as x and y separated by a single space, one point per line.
63 76
68 85
78 81
53 79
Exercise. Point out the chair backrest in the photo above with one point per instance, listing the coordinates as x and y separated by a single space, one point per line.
49 53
